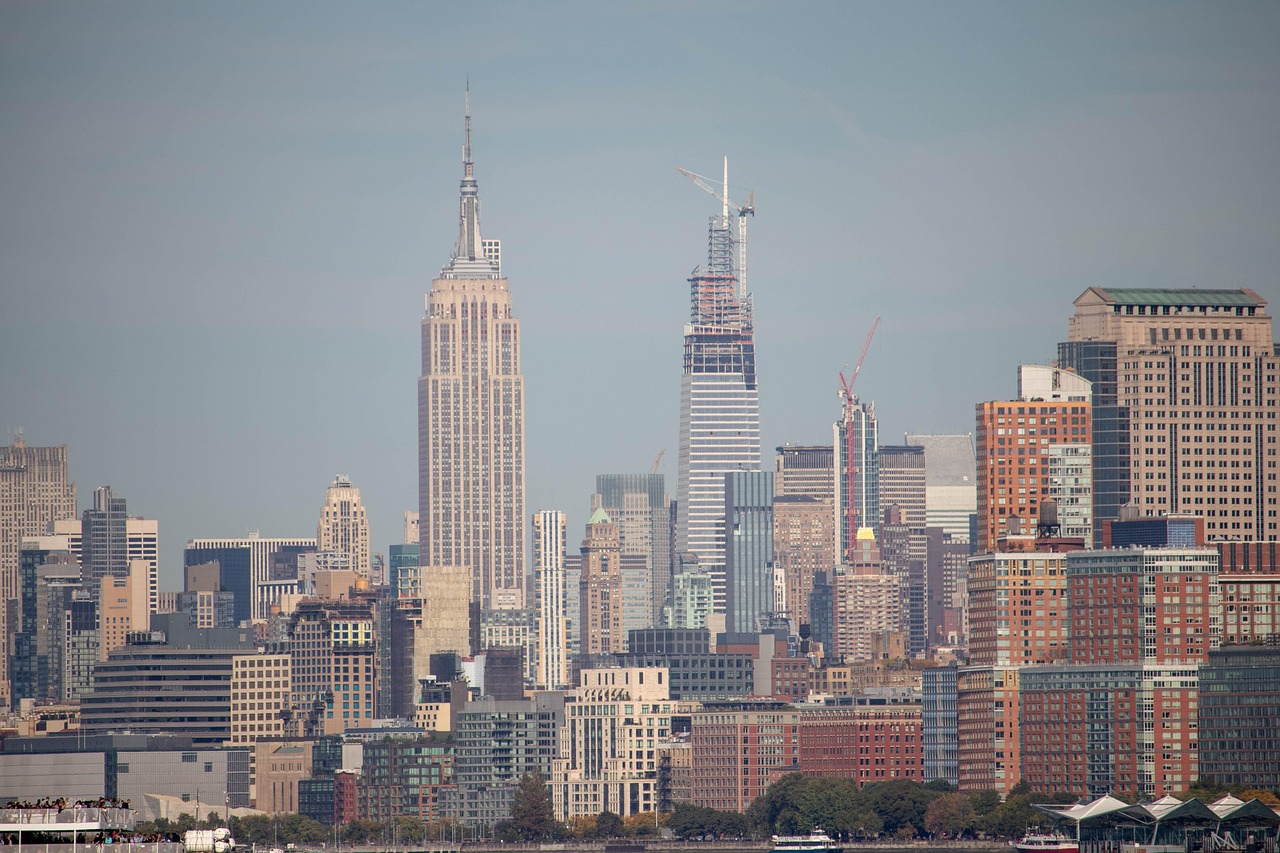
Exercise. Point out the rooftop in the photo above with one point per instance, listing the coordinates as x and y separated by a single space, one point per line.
1188 296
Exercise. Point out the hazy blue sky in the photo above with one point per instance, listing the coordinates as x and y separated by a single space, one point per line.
218 221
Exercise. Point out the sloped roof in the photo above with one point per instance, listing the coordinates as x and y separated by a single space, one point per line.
1233 808
1170 807
1107 806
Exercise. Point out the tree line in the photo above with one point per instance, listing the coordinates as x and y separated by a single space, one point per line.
793 805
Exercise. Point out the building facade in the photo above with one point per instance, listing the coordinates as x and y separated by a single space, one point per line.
600 588
857 462
719 404
549 545
344 525
1020 454
748 513
471 413
608 760
1195 376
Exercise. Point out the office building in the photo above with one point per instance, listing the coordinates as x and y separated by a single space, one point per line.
168 681
903 483
600 588
123 606
950 482
804 543
638 504
34 493
1238 710
245 568
719 403
938 719
471 414
1189 379
805 470
748 513
344 525
104 543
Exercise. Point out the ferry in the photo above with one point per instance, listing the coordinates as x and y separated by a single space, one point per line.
1043 843
56 827
815 842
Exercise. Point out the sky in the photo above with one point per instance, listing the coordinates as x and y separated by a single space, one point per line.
218 221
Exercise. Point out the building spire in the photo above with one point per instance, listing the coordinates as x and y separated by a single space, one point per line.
466 151
469 246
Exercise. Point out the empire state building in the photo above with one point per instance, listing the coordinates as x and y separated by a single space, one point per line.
471 415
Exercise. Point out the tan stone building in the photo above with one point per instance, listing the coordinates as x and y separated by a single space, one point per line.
281 764
123 606
1194 381
471 414
600 588
344 525
260 701
615 721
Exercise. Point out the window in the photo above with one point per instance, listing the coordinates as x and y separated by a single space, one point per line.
188 758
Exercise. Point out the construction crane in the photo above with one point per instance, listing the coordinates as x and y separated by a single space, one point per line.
846 386
658 462
743 211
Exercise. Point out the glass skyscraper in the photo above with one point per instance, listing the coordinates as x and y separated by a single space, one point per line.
719 406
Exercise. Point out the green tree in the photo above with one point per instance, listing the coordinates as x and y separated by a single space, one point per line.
983 802
899 803
608 825
532 814
949 816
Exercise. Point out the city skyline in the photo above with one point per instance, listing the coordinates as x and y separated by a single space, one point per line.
222 231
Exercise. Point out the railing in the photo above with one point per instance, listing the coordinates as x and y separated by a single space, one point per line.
102 818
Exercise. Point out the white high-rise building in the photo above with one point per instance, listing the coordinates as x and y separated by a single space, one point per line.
344 525
549 545
471 415
719 404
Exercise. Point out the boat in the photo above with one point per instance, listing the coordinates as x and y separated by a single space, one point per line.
815 842
86 827
1034 842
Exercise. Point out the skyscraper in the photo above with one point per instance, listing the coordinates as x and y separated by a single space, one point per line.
719 403
344 526
600 588
34 493
748 507
471 413
549 544
638 504
1189 379
857 464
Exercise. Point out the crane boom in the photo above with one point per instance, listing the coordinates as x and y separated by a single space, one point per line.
846 387
743 211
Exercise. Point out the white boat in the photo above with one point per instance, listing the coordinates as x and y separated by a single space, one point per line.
815 842
1034 842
